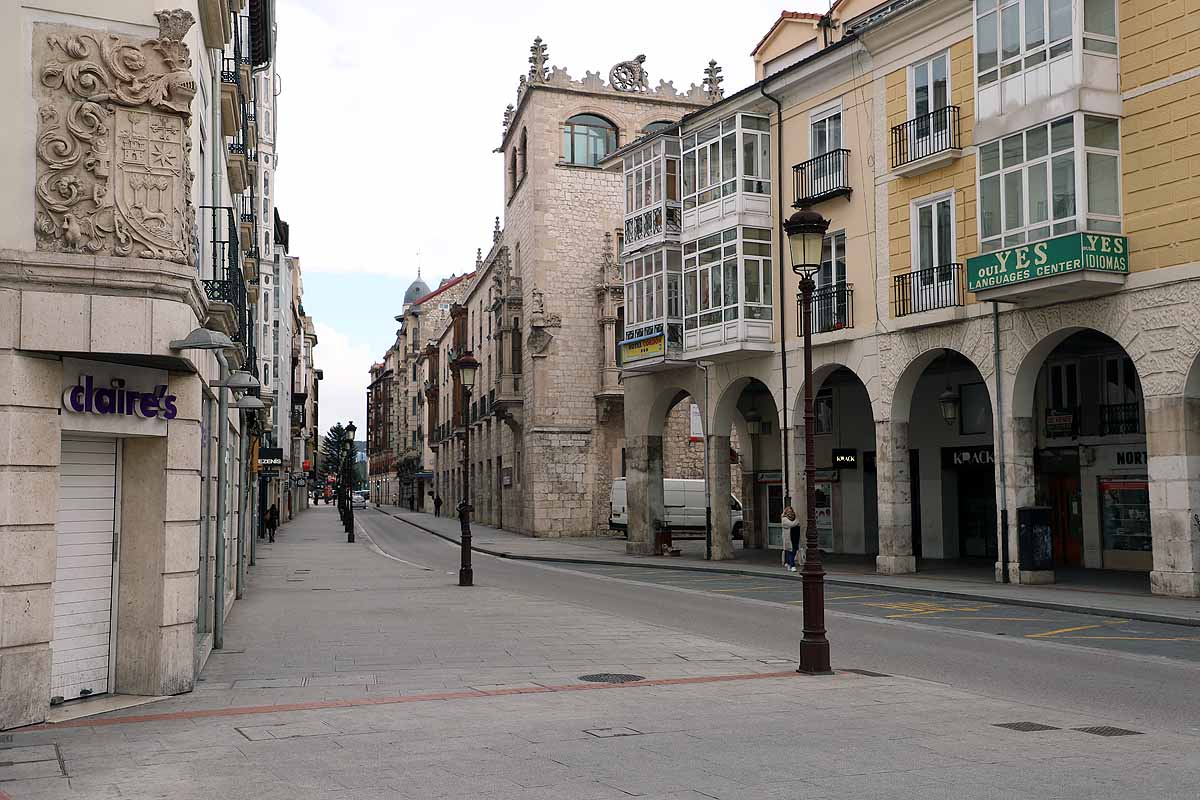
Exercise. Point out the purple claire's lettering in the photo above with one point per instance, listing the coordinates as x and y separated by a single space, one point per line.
87 398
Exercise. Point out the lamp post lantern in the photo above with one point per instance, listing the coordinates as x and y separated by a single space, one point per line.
805 231
467 367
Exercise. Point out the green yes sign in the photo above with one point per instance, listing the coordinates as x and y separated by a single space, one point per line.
1076 252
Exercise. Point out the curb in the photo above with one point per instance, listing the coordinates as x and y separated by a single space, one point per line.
1142 616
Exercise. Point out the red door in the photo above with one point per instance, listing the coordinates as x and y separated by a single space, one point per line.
1066 521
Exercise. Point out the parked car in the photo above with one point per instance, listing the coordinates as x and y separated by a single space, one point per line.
358 499
683 506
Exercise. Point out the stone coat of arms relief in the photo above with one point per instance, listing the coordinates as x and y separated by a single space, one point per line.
114 170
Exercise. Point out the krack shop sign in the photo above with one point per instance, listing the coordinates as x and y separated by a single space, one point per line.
90 397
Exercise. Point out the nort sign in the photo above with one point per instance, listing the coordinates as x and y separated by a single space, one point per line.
86 397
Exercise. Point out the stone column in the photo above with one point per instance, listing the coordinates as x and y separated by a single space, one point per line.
753 529
1020 440
719 490
1173 448
895 499
30 434
160 519
643 491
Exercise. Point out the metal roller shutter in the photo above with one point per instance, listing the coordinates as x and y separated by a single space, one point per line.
83 578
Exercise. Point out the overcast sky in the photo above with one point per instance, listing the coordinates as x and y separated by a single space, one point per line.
388 115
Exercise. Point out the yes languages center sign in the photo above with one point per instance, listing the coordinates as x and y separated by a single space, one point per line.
1076 252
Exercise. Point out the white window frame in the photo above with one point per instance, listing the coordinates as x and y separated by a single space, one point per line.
1025 58
821 114
915 229
912 82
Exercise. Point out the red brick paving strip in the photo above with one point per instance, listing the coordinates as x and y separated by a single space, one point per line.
240 711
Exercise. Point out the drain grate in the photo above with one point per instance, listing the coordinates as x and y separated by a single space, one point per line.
612 733
1025 727
1108 730
868 673
611 677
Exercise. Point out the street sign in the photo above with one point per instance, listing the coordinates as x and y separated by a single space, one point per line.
845 458
270 457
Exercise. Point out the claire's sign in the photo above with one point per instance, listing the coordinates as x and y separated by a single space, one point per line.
1076 252
89 397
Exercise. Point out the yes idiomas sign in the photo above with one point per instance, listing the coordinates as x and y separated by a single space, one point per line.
1076 252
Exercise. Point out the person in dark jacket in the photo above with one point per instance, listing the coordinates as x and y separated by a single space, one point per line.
272 521
437 505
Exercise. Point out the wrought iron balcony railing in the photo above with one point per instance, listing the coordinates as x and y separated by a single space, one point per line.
224 282
926 289
832 308
926 135
1119 418
821 178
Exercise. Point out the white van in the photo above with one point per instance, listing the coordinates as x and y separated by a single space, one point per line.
683 504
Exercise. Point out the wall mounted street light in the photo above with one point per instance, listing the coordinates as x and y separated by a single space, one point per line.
948 404
805 231
467 367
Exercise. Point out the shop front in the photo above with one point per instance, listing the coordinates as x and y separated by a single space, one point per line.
972 471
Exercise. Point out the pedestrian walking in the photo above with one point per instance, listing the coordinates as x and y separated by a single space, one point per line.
272 521
437 505
792 528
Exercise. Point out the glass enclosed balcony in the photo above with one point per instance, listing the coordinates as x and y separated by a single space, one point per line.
727 174
652 203
728 292
653 314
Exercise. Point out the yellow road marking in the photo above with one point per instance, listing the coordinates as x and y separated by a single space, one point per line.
850 596
1141 638
744 588
1044 634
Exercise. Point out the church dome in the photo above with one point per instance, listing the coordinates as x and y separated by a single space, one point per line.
416 291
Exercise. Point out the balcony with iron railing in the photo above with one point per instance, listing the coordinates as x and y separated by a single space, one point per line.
1120 418
832 308
222 276
653 208
821 178
926 142
928 289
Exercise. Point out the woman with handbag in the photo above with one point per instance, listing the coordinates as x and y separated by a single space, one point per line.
791 527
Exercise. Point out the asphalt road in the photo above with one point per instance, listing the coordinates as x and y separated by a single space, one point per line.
1143 673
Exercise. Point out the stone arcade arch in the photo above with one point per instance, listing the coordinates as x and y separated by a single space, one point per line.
847 502
748 406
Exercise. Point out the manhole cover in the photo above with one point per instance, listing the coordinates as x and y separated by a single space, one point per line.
611 677
1026 727
1108 730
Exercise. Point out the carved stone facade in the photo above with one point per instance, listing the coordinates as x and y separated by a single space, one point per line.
113 146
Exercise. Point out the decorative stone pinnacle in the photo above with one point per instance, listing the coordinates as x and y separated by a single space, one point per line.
508 117
538 55
478 257
496 231
712 82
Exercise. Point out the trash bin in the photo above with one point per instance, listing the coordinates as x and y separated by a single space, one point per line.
1035 539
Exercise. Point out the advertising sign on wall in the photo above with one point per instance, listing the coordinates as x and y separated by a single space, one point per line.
643 348
1097 252
98 397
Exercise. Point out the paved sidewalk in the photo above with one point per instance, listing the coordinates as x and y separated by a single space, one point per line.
351 676
611 550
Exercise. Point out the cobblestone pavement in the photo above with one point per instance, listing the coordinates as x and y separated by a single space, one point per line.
352 675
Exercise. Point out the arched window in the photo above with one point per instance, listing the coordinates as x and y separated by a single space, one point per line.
659 125
524 164
512 172
587 139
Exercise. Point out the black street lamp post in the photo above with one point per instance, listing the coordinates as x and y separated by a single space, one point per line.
806 234
466 366
348 481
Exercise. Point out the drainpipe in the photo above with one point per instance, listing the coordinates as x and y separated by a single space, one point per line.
1000 441
787 494
218 143
222 444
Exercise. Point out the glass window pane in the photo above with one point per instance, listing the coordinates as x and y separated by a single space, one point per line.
749 154
1101 132
728 157
658 296
750 271
1035 24
839 241
1060 19
731 283
1010 32
764 156
985 40
1012 200
989 158
1062 134
689 173
989 197
714 164
1063 187
704 290
689 296
717 300
1013 151
766 283
1100 16
921 90
925 237
1103 183
1039 206
1036 143
940 95
984 5
945 233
